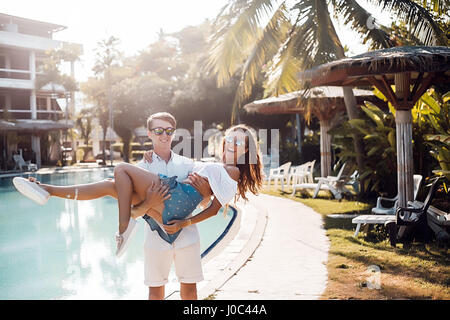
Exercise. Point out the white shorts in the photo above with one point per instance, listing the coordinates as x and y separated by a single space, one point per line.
157 263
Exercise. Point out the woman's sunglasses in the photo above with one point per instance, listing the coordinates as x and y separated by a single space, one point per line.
159 131
237 142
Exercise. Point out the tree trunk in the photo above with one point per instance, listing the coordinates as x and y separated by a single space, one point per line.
126 150
103 146
299 133
325 148
126 135
351 107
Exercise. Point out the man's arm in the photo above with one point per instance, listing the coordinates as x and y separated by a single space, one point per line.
148 206
141 209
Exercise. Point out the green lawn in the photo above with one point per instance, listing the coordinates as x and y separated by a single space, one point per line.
422 272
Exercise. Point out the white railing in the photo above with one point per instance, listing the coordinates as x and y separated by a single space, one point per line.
15 71
29 111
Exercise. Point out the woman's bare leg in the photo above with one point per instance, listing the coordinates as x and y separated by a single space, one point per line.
129 178
87 191
129 187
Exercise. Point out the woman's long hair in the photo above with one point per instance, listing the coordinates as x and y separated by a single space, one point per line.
249 164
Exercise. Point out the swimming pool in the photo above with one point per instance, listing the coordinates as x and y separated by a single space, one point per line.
65 249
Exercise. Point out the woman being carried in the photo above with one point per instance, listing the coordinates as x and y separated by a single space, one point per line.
239 172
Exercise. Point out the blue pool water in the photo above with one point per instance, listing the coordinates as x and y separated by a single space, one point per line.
65 249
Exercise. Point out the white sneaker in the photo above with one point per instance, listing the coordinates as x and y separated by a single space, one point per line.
31 190
123 240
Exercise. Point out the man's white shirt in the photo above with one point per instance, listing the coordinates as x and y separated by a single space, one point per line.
177 166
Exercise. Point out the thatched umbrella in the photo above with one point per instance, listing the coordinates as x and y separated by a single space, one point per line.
322 102
411 69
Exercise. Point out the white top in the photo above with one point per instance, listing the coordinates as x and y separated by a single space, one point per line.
177 166
222 185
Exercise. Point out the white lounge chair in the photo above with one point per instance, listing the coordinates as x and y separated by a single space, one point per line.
20 163
281 173
380 209
310 171
303 176
302 173
294 171
334 184
371 219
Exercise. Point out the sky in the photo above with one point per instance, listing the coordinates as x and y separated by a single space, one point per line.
135 22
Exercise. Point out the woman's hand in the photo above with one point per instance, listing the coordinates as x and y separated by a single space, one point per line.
201 184
175 225
148 156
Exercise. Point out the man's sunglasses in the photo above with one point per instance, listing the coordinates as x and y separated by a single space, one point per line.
159 131
237 142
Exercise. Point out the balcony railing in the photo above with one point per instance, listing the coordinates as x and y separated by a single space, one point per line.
15 74
41 114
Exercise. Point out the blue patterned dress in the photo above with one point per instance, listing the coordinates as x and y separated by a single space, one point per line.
184 199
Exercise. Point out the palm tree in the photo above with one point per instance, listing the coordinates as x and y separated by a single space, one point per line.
255 35
107 57
84 123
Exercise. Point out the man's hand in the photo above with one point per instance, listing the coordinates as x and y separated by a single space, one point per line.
148 156
175 225
155 197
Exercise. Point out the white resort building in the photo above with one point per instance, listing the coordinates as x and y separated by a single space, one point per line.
30 116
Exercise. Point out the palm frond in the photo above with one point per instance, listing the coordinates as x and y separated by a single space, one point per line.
235 32
440 7
265 46
312 40
361 21
316 41
282 73
419 19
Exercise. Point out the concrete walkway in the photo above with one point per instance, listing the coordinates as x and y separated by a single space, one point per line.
284 257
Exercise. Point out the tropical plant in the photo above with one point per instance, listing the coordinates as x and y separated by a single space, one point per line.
49 70
95 95
378 130
108 60
435 109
